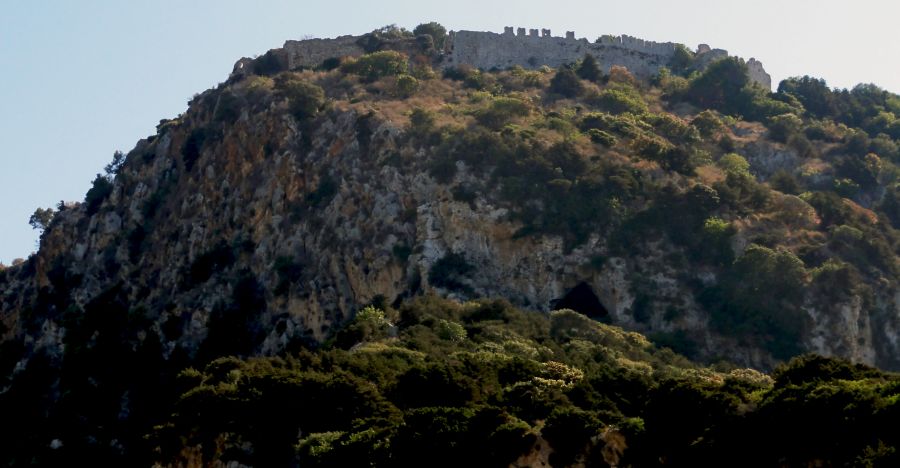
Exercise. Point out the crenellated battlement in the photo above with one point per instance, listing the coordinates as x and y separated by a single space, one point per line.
488 50
528 48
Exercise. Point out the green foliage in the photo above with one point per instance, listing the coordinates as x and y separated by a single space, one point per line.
604 138
566 83
589 69
450 331
783 127
41 218
305 99
725 86
407 85
100 190
735 165
228 108
682 61
269 64
377 65
719 86
437 32
708 124
619 101
762 298
438 380
501 111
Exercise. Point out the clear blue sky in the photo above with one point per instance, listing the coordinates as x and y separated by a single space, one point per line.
82 79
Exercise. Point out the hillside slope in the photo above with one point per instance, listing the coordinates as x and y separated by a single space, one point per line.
720 219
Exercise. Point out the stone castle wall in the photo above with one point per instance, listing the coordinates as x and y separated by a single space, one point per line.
311 53
488 50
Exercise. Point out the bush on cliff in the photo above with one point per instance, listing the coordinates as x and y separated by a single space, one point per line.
305 99
371 67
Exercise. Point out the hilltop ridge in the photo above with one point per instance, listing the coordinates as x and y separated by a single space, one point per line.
488 51
377 259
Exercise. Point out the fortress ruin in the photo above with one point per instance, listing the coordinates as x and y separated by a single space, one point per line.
536 48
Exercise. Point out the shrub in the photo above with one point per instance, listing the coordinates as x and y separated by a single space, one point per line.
566 83
228 108
619 101
305 99
450 331
682 61
501 111
459 72
437 32
764 292
407 86
269 64
589 69
716 241
783 127
41 218
784 182
602 137
719 86
99 191
733 163
708 124
377 65
675 129
621 75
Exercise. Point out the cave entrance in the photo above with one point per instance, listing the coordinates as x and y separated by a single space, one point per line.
581 299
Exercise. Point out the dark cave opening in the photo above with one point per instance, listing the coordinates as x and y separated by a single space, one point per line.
581 299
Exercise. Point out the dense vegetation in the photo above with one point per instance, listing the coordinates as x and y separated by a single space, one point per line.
436 382
675 173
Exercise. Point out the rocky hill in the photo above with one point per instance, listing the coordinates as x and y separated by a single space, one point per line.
720 219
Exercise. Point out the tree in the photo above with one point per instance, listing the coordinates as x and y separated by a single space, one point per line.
589 69
377 65
41 218
113 167
437 32
814 93
566 83
99 191
720 85
783 127
305 99
682 60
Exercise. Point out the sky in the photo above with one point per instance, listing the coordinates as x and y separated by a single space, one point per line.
80 80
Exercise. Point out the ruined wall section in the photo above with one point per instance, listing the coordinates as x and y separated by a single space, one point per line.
758 73
489 50
311 53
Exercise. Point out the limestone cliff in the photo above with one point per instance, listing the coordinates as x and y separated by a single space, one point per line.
239 207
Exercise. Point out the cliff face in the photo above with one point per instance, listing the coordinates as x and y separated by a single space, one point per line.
239 216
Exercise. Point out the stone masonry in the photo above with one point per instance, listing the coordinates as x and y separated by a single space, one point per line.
537 47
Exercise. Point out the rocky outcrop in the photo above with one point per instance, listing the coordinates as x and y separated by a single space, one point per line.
297 225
